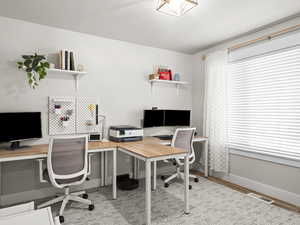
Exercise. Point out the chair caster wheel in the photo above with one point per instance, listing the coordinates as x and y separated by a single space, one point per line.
190 187
61 219
85 196
162 177
166 185
196 180
91 207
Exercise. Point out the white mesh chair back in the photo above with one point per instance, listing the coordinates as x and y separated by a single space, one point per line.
183 138
67 160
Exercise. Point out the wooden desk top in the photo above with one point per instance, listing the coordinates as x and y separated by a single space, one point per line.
32 150
43 149
148 148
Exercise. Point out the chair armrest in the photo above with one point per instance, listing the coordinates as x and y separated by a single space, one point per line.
42 180
89 164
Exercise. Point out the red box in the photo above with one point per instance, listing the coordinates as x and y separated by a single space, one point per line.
165 74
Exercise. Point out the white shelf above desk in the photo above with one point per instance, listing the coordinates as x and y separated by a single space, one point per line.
172 82
76 74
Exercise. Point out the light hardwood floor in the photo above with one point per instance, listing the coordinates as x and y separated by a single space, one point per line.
244 190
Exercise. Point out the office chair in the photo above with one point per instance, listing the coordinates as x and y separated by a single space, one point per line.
183 138
67 165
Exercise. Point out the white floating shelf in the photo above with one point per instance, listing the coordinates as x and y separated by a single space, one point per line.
75 74
174 82
169 82
71 72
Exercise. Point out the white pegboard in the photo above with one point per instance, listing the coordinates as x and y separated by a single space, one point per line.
56 126
86 115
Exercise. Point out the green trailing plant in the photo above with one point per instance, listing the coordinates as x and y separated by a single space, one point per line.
36 68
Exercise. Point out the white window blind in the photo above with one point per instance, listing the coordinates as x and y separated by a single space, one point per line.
264 104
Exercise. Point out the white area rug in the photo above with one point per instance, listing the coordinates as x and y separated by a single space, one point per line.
210 203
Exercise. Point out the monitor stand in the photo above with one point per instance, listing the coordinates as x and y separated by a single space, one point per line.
15 145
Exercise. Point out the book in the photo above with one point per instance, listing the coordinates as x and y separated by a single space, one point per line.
62 59
72 65
66 60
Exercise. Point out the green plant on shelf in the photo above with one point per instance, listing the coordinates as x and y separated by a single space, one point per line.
35 67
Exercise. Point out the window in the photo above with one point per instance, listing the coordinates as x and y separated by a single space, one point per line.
264 104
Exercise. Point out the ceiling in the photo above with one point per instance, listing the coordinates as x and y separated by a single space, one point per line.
212 22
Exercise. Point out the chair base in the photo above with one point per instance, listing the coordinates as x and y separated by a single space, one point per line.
66 198
179 175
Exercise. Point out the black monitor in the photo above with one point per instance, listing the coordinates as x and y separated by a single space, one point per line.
159 118
153 118
177 117
18 126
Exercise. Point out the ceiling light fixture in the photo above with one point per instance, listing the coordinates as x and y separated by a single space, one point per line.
175 7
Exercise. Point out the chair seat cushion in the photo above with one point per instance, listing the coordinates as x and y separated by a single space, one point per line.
61 181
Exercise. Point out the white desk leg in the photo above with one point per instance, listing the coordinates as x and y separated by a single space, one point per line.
114 175
154 175
186 185
135 168
206 172
148 192
105 168
102 169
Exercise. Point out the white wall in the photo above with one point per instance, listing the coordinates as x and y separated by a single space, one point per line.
117 75
268 177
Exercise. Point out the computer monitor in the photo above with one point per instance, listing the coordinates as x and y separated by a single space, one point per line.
177 117
19 126
153 118
159 118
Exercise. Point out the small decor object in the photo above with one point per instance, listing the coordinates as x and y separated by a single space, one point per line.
36 68
52 66
69 112
164 74
91 108
89 123
175 7
80 67
176 77
154 76
65 121
57 109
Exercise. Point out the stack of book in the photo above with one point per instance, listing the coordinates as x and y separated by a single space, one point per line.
66 60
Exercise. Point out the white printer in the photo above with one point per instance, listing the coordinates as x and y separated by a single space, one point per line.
125 133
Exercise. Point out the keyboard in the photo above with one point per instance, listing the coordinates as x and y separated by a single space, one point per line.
164 137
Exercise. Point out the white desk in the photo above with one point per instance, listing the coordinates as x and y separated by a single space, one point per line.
149 151
168 142
41 151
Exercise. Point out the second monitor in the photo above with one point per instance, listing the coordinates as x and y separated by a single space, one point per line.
158 118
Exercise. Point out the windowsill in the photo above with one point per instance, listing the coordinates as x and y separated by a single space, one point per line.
266 157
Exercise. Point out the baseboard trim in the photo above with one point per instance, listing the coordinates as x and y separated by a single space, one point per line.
36 194
266 189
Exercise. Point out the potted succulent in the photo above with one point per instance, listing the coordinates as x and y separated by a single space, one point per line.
36 68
